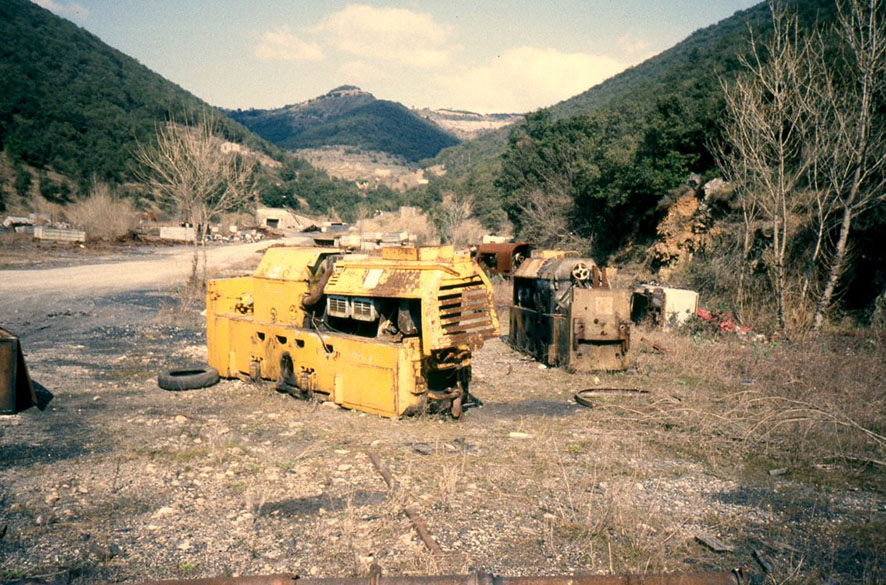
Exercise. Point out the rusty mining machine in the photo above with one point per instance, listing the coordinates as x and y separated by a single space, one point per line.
389 334
565 313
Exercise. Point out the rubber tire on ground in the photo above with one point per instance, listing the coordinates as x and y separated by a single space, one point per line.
581 398
189 378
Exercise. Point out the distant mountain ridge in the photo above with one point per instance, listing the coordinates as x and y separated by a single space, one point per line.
468 125
348 116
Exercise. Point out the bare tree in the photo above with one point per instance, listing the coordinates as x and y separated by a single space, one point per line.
191 172
546 219
767 133
854 153
453 211
734 169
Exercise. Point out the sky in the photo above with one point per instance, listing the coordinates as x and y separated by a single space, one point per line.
478 55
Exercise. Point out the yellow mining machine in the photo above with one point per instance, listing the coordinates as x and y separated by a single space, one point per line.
390 334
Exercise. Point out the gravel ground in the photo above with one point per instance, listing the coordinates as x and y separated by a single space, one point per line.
118 480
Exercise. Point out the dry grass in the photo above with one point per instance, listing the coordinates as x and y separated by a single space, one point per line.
808 403
503 294
102 215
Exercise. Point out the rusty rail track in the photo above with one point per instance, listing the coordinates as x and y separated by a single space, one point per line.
736 577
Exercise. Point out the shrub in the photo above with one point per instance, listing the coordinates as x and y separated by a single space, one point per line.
102 215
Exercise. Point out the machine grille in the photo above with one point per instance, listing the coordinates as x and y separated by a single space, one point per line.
363 310
337 306
465 311
351 308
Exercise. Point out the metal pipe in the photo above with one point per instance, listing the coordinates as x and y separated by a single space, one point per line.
736 577
316 293
420 527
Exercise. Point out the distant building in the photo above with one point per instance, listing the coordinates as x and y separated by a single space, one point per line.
282 219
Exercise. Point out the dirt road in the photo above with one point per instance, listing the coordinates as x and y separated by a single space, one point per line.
146 269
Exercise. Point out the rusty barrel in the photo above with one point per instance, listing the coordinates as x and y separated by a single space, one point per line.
16 390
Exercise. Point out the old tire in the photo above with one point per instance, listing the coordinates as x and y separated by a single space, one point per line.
582 397
188 378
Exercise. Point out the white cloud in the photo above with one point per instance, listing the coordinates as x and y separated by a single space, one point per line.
395 35
638 49
69 10
282 45
361 72
526 78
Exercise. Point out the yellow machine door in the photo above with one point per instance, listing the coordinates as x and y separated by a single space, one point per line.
371 388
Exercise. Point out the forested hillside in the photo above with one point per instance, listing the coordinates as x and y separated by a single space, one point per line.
72 104
347 116
73 111
631 139
689 72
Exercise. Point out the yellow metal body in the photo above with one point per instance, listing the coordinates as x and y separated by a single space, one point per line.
388 334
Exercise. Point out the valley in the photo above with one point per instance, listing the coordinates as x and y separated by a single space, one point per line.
751 437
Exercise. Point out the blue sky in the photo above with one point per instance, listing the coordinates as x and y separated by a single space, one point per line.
486 56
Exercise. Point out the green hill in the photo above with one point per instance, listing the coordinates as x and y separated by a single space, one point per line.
73 110
632 139
69 103
347 116
601 170
689 71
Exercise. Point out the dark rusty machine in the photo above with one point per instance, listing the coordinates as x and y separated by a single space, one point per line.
565 313
503 259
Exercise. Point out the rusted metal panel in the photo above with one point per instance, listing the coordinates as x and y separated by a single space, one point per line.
735 577
291 263
503 259
466 311
663 306
530 268
541 335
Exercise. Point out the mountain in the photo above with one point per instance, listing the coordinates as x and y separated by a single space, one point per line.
468 125
70 104
348 116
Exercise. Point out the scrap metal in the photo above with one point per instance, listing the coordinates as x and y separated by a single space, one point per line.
16 390
583 397
735 577
566 313
503 259
420 527
662 305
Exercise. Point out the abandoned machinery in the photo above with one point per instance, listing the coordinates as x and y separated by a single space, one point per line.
389 334
565 313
